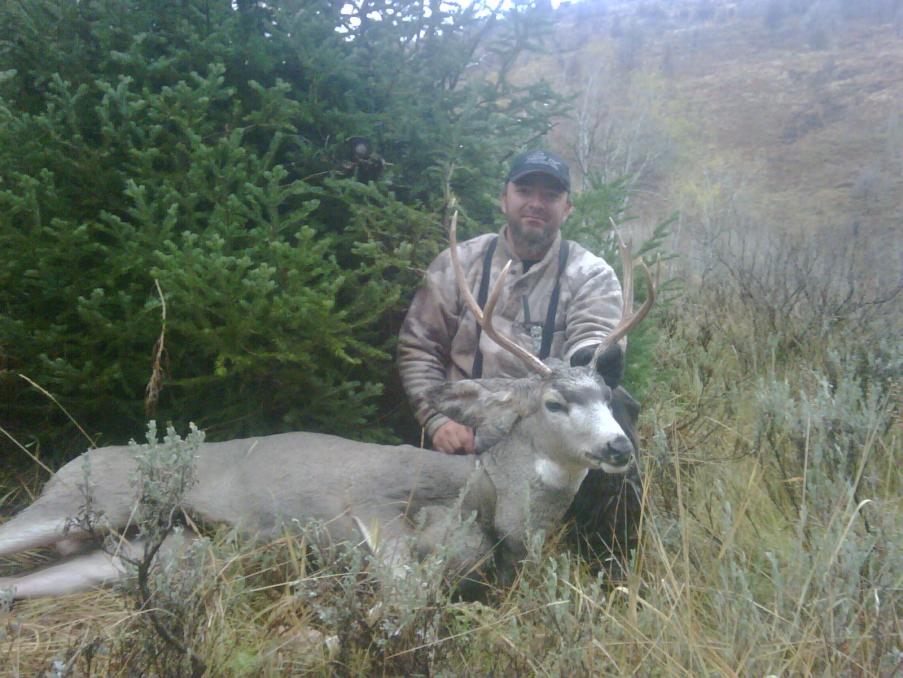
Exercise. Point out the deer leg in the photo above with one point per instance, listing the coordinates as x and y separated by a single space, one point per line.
72 545
80 573
45 523
389 541
24 532
464 545
89 570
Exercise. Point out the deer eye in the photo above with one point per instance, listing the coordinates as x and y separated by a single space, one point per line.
555 406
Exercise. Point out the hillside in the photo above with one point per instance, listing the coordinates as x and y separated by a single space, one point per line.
791 115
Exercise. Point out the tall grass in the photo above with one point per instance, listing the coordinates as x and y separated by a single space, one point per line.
772 541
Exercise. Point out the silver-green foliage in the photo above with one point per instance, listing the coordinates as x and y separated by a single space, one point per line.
169 577
375 614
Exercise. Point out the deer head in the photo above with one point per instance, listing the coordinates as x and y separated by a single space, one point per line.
566 409
566 414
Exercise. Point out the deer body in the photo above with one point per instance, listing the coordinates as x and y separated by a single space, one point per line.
254 483
544 446
542 433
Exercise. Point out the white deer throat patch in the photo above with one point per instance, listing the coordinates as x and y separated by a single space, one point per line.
558 477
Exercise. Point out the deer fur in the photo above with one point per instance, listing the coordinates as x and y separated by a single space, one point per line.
543 434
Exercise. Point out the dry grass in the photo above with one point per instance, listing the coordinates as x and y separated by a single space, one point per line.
772 544
723 585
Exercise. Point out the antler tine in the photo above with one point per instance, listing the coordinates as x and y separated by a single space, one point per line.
629 319
484 318
627 267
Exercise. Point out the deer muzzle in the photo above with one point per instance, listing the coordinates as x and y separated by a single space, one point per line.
614 456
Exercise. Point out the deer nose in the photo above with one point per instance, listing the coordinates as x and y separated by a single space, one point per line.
618 451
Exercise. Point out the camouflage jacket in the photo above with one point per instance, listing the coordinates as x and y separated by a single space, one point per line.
437 341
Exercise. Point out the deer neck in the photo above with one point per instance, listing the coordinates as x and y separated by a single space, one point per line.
533 491
512 463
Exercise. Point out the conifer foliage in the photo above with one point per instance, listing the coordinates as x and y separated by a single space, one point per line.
207 145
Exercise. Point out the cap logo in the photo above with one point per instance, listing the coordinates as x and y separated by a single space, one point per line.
540 158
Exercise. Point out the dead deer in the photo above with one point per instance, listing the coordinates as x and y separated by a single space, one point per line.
548 430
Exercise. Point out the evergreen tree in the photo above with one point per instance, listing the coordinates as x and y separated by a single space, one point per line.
206 145
600 208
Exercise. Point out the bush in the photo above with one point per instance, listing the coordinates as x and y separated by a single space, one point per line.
591 224
205 146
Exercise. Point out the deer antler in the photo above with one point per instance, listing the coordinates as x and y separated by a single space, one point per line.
629 319
484 316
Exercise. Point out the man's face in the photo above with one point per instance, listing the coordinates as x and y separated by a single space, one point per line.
536 206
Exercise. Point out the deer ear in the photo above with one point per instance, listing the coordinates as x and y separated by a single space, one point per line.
610 365
480 403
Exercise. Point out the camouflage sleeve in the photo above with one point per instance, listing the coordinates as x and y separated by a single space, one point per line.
424 342
595 307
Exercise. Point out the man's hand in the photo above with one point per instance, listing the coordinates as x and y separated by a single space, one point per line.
454 438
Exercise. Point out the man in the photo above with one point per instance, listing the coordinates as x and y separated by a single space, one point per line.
559 301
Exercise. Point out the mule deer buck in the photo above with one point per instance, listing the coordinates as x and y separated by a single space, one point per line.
548 430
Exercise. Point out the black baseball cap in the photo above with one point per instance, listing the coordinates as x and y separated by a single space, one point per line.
543 162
